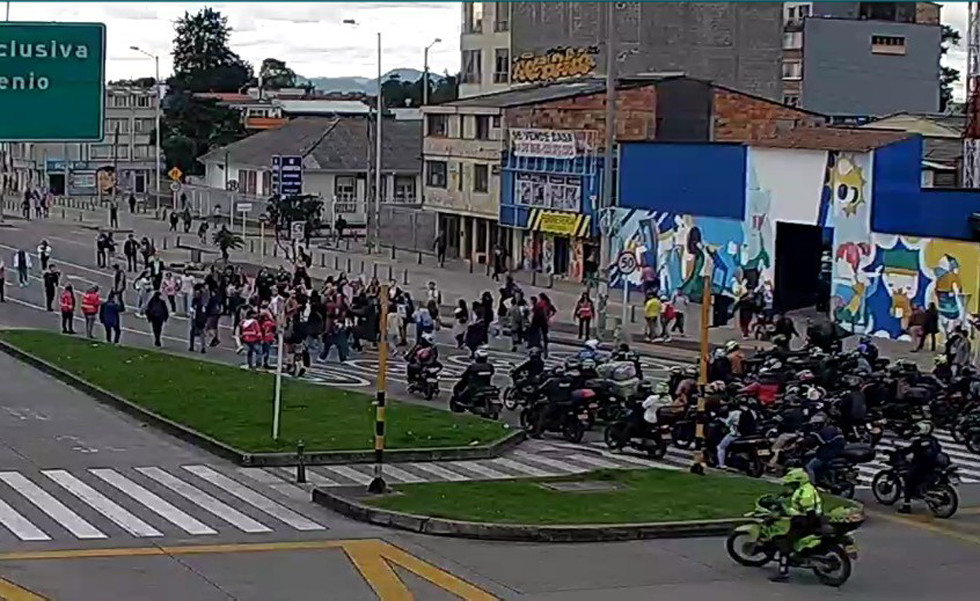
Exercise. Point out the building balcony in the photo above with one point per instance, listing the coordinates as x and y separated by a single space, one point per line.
260 123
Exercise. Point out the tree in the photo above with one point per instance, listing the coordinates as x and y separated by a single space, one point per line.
274 74
193 126
282 211
447 90
227 241
203 61
947 75
141 82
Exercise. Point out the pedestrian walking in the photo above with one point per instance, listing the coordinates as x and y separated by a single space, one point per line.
174 220
169 286
651 314
157 269
439 244
143 287
198 319
679 302
188 220
132 203
517 317
100 250
110 316
119 285
130 250
22 263
157 314
91 303
499 261
44 253
3 281
930 327
146 250
339 226
213 311
584 311
916 327
113 215
268 325
667 316
186 293
251 337
67 305
50 279
202 232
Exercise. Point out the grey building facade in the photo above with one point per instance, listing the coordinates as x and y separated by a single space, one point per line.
733 44
866 68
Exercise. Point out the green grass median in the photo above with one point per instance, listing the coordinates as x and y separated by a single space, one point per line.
235 406
633 497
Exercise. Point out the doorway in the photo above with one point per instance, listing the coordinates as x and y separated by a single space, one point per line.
798 251
56 183
562 250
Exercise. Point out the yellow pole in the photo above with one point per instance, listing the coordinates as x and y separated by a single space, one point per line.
697 466
377 485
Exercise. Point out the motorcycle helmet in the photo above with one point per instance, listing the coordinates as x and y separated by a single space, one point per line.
558 371
592 344
588 365
662 388
818 419
923 428
865 340
731 346
572 363
428 337
795 478
940 360
480 355
534 352
813 394
805 376
623 348
816 353
424 354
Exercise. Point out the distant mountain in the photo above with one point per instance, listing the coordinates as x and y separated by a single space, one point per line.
364 84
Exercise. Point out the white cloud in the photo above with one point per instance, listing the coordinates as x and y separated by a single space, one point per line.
310 37
954 14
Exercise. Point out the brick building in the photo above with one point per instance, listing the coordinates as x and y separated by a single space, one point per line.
524 167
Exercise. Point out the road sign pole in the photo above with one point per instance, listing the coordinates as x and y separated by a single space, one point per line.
626 296
277 401
378 485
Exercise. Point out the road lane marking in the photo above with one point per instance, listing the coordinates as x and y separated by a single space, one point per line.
54 508
260 502
19 525
204 501
153 502
102 504
11 592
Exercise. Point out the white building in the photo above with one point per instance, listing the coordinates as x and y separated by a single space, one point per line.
485 46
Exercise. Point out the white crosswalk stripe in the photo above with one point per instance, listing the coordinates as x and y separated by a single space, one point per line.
52 507
348 472
439 472
481 470
153 502
99 502
20 526
519 467
561 466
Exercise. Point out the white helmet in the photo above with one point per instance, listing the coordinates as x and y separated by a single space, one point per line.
592 344
813 394
923 428
428 337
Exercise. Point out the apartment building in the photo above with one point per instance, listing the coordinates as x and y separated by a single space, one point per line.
859 60
515 43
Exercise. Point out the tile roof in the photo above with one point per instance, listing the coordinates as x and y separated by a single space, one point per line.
832 138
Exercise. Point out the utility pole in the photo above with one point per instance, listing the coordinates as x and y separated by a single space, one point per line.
606 202
377 160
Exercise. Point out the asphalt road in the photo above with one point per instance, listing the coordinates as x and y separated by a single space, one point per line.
109 476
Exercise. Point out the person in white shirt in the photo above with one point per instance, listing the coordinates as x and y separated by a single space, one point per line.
22 263
186 293
44 252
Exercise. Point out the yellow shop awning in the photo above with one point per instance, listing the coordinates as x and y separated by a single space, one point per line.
556 222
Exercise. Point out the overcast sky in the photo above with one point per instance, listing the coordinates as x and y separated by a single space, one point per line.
309 36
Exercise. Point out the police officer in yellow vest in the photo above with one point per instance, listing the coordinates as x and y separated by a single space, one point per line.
803 508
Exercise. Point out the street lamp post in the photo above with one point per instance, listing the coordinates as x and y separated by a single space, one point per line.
159 109
377 152
425 71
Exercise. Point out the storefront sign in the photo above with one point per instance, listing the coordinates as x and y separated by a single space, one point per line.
82 183
564 224
548 143
562 193
557 63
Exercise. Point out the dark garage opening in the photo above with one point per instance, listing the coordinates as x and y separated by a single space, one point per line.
798 251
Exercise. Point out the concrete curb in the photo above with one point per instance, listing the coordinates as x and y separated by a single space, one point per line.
588 533
240 457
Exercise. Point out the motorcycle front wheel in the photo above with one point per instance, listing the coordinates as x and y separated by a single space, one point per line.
973 443
615 436
683 436
833 568
746 551
509 401
886 487
943 501
573 430
430 391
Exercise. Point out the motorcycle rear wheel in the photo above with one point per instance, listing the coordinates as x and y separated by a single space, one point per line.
886 487
737 543
680 437
943 501
659 450
573 430
509 401
430 391
957 433
837 569
615 436
755 467
973 443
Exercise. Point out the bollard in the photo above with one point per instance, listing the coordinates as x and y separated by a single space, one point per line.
164 244
551 280
391 275
300 463
80 217
633 314
323 260
336 263
251 247
420 257
362 266
347 240
534 277
392 252
405 277
375 271
471 265
62 212
274 251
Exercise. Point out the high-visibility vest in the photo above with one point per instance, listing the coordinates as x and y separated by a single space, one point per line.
251 331
67 302
268 331
90 303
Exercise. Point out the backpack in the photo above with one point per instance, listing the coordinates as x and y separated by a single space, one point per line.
747 423
425 318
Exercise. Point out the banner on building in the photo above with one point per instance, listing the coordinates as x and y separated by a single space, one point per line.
563 224
559 192
547 143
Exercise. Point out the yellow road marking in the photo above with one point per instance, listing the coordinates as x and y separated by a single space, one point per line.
969 511
372 558
11 592
927 523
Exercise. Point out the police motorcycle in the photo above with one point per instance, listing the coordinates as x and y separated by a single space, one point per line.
642 426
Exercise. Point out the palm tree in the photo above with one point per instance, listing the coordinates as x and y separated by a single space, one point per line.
226 241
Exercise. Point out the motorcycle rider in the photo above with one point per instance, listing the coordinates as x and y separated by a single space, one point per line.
766 388
424 354
589 351
531 369
830 443
942 369
853 406
556 393
623 353
736 358
922 454
789 424
803 507
720 368
741 421
867 348
477 376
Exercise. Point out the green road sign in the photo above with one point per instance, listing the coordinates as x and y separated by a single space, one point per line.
52 82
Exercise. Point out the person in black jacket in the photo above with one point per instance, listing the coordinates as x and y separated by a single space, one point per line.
131 249
199 318
930 329
51 278
157 314
923 453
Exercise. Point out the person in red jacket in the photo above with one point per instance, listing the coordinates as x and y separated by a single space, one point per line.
268 326
91 302
67 303
251 337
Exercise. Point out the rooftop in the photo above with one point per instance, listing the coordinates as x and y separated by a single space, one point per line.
833 138
322 107
329 144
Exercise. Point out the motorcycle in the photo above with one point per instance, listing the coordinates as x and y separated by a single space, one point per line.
484 402
427 382
630 430
937 489
966 431
829 553
747 454
572 420
520 393
841 476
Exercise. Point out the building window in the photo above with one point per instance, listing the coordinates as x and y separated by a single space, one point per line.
405 188
100 152
792 40
438 125
793 69
888 44
143 102
122 153
791 100
435 174
495 122
266 183
112 124
501 65
143 152
482 127
501 16
472 66
119 100
473 19
481 178
138 125
344 187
